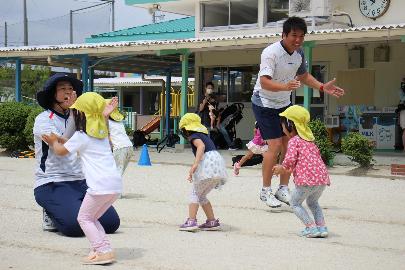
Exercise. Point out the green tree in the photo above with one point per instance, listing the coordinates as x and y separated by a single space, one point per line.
32 79
7 83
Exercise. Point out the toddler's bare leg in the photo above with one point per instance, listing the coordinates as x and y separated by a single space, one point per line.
246 157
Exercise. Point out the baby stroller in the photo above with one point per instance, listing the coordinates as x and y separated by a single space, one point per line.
230 117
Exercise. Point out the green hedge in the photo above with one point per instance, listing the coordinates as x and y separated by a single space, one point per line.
322 141
358 148
14 132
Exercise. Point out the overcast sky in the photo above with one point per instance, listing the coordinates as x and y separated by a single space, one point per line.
49 20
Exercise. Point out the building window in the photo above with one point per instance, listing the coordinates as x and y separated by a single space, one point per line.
229 13
277 10
215 14
243 12
232 84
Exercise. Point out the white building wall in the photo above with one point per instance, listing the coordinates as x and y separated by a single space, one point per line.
394 15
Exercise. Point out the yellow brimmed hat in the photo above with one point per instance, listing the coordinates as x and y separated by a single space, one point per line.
300 116
192 122
116 115
92 105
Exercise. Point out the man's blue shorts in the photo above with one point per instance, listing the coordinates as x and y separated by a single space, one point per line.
268 121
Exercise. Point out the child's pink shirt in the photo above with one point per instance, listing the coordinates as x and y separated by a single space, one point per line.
257 138
304 159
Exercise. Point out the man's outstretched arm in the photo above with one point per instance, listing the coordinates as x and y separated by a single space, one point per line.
329 88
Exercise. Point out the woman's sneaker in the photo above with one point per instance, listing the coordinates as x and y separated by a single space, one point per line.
47 222
311 232
323 230
211 225
236 168
268 197
189 226
283 195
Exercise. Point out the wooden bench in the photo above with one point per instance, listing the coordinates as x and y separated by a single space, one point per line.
398 169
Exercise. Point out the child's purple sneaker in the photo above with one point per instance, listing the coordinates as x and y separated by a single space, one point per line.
211 225
189 226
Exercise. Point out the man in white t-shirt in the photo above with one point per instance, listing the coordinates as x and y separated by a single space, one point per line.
282 70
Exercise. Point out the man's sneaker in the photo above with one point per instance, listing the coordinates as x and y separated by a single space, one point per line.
269 199
311 232
283 195
236 168
323 230
47 222
189 226
211 225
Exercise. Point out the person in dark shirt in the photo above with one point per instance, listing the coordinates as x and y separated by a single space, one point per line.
208 108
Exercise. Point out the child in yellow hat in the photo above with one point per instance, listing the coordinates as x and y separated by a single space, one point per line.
207 172
102 178
304 160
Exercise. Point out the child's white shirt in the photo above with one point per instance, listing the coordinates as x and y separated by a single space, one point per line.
98 163
118 135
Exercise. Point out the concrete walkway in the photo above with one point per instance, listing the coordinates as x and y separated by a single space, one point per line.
365 216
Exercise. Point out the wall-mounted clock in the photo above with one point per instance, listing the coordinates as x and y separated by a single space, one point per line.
373 8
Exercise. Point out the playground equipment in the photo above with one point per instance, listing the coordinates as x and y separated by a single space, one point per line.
175 97
174 108
172 138
151 125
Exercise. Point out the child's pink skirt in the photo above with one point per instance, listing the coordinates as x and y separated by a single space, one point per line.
257 149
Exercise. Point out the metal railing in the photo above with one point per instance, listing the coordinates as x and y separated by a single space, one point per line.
128 121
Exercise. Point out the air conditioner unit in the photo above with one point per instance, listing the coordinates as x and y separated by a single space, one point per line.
332 121
310 8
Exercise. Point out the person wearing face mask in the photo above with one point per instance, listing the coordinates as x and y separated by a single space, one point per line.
208 107
60 185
